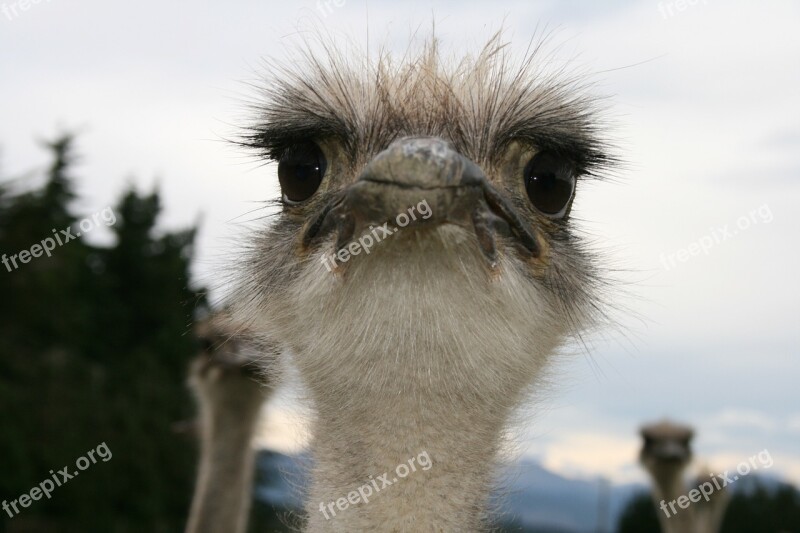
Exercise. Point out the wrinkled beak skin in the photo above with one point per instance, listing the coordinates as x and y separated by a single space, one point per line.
424 169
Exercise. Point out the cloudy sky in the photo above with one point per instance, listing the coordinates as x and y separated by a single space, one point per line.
703 222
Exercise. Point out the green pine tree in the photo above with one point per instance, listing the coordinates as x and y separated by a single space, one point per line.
94 345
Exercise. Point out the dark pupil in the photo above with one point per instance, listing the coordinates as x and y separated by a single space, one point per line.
548 181
300 171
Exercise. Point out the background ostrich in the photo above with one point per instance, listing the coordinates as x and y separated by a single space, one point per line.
229 397
419 340
666 454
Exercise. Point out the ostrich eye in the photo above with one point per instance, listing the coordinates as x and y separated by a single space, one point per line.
300 171
549 182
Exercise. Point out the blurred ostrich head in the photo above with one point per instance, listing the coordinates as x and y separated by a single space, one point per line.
666 450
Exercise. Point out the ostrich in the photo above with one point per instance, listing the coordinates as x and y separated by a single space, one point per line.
666 453
423 268
229 398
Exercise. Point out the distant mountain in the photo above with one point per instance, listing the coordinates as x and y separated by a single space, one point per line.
280 480
534 500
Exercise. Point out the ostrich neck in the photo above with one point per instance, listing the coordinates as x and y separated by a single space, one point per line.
225 475
669 486
413 360
447 438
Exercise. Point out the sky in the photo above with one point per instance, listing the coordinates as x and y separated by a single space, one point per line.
701 223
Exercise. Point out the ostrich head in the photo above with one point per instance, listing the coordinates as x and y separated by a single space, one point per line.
491 155
423 266
666 450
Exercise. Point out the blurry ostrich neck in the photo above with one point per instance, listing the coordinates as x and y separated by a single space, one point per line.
669 486
222 493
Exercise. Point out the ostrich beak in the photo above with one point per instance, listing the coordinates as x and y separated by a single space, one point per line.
672 451
416 169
